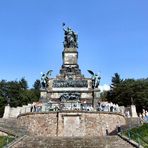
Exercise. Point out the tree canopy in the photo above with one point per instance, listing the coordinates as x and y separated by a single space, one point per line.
128 91
16 93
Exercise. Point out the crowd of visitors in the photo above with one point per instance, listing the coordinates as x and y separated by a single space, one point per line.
108 107
102 106
144 115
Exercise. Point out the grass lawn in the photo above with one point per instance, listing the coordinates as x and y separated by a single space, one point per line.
142 133
4 140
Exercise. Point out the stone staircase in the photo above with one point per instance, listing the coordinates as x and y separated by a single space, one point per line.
58 142
27 141
10 125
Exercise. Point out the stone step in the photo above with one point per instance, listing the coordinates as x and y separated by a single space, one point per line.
133 122
11 125
56 142
8 122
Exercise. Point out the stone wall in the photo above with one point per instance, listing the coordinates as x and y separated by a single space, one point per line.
39 124
67 124
13 112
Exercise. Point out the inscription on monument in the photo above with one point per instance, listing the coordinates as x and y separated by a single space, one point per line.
70 58
69 83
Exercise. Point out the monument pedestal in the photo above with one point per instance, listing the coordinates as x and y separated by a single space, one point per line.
43 95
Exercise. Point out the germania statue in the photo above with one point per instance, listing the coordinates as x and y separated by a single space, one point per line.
70 38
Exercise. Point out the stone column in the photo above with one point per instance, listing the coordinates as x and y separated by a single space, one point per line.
133 111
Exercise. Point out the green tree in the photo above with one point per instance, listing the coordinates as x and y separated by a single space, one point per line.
23 83
116 80
3 95
37 85
114 93
36 89
2 106
128 91
103 96
16 93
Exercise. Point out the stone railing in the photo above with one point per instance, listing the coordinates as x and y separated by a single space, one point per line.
64 106
11 112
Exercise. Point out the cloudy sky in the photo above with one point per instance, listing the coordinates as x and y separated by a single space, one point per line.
113 37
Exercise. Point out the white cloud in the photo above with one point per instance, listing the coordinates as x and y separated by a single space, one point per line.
104 87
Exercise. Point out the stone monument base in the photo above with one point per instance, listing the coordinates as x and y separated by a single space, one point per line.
71 123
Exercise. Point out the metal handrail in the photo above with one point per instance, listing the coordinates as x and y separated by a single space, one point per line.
138 137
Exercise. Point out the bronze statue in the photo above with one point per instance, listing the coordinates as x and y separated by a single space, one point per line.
95 79
44 78
70 39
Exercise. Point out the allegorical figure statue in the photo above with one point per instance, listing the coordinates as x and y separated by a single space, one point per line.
70 38
95 79
44 79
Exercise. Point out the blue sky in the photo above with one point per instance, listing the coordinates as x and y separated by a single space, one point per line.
113 37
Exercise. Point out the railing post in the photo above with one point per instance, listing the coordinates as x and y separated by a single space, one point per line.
129 135
7 140
138 140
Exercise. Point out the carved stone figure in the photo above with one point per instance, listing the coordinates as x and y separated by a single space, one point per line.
70 39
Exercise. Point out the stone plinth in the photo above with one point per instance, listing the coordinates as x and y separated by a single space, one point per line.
133 111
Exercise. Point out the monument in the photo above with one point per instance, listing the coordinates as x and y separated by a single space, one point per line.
70 89
69 100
